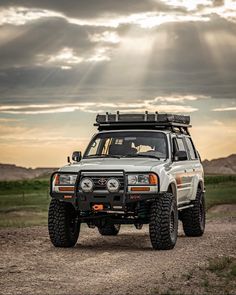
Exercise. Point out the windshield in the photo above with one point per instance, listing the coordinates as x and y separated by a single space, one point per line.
128 144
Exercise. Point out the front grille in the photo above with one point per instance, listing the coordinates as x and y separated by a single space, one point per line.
98 186
101 180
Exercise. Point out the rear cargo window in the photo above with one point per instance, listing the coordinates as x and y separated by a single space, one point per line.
180 144
191 149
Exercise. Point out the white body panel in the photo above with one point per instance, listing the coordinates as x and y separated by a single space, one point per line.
184 175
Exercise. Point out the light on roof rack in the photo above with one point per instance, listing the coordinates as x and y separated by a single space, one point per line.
146 116
117 116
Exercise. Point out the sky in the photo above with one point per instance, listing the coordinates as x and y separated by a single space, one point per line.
62 62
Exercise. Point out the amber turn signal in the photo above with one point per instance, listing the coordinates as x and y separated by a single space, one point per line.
140 189
153 179
66 188
56 179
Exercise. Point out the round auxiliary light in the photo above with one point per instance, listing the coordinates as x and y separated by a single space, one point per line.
113 185
86 185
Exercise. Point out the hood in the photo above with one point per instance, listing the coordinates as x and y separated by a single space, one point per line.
127 164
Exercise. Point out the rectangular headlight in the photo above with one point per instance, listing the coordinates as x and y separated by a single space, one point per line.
65 179
143 179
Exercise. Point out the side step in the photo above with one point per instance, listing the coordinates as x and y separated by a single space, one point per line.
185 207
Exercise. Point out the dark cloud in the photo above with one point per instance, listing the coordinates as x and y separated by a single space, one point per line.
92 8
218 2
32 43
178 57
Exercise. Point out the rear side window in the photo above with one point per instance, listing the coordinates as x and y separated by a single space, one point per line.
192 152
178 145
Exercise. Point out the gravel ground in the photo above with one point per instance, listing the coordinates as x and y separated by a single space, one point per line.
125 264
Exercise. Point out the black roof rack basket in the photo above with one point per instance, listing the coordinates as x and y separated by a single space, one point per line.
145 120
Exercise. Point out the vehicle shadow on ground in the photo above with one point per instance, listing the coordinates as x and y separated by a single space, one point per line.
114 247
122 242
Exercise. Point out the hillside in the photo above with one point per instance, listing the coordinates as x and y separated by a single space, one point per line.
221 166
13 172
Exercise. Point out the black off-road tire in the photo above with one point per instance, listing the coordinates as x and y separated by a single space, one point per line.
163 226
63 224
193 218
109 229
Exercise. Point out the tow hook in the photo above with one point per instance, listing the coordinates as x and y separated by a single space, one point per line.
98 207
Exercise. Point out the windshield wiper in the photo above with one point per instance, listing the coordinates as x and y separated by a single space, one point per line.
141 155
103 156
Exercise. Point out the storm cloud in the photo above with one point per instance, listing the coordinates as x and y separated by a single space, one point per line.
51 50
63 61
92 8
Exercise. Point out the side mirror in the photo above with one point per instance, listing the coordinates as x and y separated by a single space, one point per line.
76 156
180 156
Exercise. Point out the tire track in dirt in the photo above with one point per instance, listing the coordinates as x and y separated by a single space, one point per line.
125 264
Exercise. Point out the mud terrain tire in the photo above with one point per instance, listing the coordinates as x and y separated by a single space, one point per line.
109 230
193 218
163 226
63 224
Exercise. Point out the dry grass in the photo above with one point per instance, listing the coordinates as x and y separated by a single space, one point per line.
218 276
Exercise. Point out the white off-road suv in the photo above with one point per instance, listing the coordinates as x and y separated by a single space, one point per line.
138 169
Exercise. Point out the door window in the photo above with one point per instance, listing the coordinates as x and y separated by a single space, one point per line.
178 145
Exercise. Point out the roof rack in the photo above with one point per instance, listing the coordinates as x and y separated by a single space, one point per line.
175 123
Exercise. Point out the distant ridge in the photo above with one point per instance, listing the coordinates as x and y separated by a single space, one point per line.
225 165
13 172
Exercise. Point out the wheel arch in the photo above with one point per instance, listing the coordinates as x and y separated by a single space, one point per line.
197 183
172 189
201 185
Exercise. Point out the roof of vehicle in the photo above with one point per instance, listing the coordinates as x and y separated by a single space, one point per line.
150 121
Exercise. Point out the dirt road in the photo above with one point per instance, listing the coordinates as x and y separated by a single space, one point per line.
125 264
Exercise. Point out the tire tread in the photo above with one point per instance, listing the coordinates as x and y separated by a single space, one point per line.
159 226
191 219
58 228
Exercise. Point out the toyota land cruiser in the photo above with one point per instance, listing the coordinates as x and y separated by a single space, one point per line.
138 169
